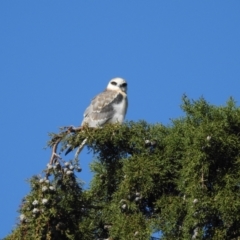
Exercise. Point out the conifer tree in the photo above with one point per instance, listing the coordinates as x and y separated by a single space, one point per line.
182 179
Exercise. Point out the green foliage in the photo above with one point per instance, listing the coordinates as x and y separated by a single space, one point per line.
49 211
182 179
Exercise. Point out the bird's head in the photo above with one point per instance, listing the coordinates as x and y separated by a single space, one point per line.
117 84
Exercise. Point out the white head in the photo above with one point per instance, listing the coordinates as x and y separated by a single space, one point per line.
117 84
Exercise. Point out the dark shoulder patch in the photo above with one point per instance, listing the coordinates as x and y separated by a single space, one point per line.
118 98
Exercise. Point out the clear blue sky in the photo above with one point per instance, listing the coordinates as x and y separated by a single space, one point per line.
56 55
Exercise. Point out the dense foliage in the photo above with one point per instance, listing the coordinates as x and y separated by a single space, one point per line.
182 179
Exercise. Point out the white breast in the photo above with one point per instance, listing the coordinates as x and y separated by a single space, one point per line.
120 111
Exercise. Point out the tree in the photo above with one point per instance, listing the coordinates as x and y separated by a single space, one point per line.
182 179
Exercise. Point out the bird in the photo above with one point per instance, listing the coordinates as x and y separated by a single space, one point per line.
109 106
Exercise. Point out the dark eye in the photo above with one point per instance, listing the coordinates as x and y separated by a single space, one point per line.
124 84
114 83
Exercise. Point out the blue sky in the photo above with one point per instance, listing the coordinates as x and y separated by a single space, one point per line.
56 55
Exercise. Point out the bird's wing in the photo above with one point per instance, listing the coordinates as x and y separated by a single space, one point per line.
101 108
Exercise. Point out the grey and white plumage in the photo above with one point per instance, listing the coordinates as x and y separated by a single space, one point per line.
110 106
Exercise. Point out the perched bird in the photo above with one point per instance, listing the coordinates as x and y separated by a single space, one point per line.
110 106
